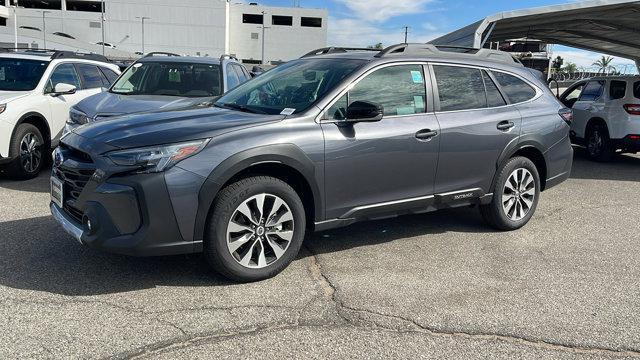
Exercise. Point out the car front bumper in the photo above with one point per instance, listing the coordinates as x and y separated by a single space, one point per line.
130 215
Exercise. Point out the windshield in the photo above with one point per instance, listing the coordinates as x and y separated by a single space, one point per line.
290 88
170 79
20 74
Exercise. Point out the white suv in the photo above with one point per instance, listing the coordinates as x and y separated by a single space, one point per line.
606 115
37 89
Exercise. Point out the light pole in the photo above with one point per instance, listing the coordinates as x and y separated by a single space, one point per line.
102 24
15 23
44 29
143 18
263 39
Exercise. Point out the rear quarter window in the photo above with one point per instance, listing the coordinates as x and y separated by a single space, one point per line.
516 89
618 89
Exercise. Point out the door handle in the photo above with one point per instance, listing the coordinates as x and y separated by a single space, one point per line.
426 134
506 125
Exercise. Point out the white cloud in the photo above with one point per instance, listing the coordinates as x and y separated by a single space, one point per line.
360 33
585 59
382 10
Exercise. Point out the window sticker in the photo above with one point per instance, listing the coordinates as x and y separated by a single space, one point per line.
406 110
174 76
418 102
417 77
288 111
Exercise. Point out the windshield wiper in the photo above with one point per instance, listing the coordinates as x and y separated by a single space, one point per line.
238 107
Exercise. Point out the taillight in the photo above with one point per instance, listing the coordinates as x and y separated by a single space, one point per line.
634 137
566 115
633 109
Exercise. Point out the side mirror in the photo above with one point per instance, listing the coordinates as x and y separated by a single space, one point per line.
364 111
63 89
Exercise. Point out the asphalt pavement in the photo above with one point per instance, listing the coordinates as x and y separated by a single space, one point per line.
440 285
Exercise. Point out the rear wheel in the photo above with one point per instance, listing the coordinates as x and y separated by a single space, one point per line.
599 145
255 230
515 195
27 145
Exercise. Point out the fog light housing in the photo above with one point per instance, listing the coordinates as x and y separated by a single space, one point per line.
88 225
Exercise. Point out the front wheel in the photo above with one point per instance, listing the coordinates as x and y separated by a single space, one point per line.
27 145
255 230
515 195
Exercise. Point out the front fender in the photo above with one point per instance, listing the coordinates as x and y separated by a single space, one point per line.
285 154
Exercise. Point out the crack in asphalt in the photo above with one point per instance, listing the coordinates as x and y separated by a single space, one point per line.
347 316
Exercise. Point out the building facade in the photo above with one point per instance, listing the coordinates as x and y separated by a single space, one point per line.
189 27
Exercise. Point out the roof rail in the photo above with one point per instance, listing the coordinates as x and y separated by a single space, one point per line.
58 54
227 56
430 49
78 55
159 53
334 50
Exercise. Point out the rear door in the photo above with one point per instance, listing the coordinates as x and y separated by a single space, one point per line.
476 125
589 104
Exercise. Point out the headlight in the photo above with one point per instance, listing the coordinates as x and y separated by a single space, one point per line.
3 107
77 117
157 158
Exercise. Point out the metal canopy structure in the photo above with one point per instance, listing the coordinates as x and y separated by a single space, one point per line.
605 26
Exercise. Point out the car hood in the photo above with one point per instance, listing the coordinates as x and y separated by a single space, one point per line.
167 127
7 96
108 104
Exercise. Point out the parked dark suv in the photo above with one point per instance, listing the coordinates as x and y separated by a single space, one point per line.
321 142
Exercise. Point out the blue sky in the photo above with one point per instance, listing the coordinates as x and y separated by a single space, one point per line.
366 22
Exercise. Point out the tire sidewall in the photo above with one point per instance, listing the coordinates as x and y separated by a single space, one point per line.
216 239
509 168
605 150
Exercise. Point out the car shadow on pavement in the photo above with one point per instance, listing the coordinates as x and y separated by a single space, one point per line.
36 254
622 167
39 184
460 220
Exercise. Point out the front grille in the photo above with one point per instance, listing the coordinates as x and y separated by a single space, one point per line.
75 172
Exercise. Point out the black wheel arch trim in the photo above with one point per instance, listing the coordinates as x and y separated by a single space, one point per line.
522 142
285 154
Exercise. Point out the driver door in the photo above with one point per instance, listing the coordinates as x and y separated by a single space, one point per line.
60 104
375 168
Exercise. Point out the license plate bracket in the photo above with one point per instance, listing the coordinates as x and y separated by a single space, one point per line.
57 191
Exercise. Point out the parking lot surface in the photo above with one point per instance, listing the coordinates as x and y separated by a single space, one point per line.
440 285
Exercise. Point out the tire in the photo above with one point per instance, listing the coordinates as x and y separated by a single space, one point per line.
27 145
599 146
231 234
523 198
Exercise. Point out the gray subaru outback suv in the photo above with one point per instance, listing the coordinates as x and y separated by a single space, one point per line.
335 137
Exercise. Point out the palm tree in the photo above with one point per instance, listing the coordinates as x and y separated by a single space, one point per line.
604 64
570 68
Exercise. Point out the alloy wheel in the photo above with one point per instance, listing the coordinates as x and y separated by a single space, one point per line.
260 231
518 194
30 152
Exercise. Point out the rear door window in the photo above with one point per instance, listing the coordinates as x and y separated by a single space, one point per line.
636 89
516 89
460 88
109 74
494 97
618 89
592 91
92 78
